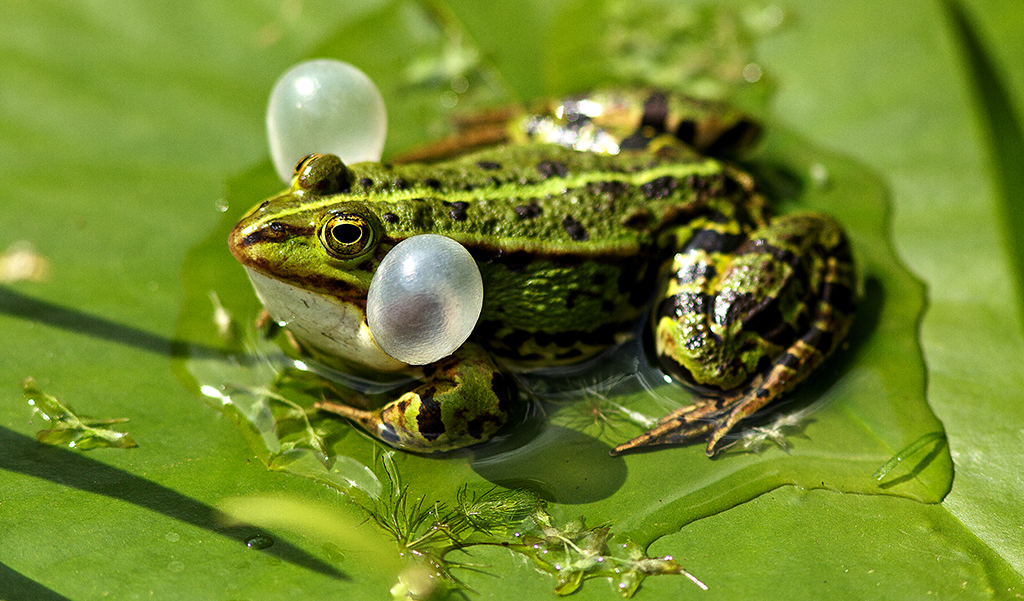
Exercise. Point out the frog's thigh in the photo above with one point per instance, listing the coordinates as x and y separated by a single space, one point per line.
464 400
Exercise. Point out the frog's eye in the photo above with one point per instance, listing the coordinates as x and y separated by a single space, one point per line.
347 235
322 174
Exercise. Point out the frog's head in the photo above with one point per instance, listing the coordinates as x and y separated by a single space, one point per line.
311 255
310 237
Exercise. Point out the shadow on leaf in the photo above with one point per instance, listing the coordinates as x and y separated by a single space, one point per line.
24 455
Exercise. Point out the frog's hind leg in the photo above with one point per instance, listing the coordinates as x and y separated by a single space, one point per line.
681 426
833 307
464 400
718 415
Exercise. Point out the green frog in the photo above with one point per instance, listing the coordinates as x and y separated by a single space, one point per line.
581 216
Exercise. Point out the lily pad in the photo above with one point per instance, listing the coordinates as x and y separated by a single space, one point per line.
126 126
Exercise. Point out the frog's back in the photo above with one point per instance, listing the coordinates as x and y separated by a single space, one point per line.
568 242
543 199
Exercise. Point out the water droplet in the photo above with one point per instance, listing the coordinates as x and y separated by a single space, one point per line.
176 566
258 542
449 99
324 106
221 205
172 537
460 84
819 175
752 72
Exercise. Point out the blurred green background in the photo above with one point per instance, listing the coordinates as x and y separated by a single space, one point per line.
123 126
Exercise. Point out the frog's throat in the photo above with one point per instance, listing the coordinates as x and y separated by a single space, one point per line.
326 323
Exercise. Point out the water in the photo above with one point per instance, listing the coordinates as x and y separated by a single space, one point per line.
259 542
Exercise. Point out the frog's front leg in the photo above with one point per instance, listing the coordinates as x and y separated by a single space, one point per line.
745 326
463 400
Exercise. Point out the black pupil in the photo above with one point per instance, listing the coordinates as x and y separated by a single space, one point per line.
347 233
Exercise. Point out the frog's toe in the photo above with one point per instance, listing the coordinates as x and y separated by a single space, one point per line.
669 433
682 426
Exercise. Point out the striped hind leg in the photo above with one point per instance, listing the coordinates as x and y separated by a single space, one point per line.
831 299
716 416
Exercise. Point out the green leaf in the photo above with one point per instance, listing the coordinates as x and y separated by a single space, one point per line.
1004 133
125 126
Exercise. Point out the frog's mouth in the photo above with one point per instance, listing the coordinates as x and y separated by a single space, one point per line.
251 243
331 325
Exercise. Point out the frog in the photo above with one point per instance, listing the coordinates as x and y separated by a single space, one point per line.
585 215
